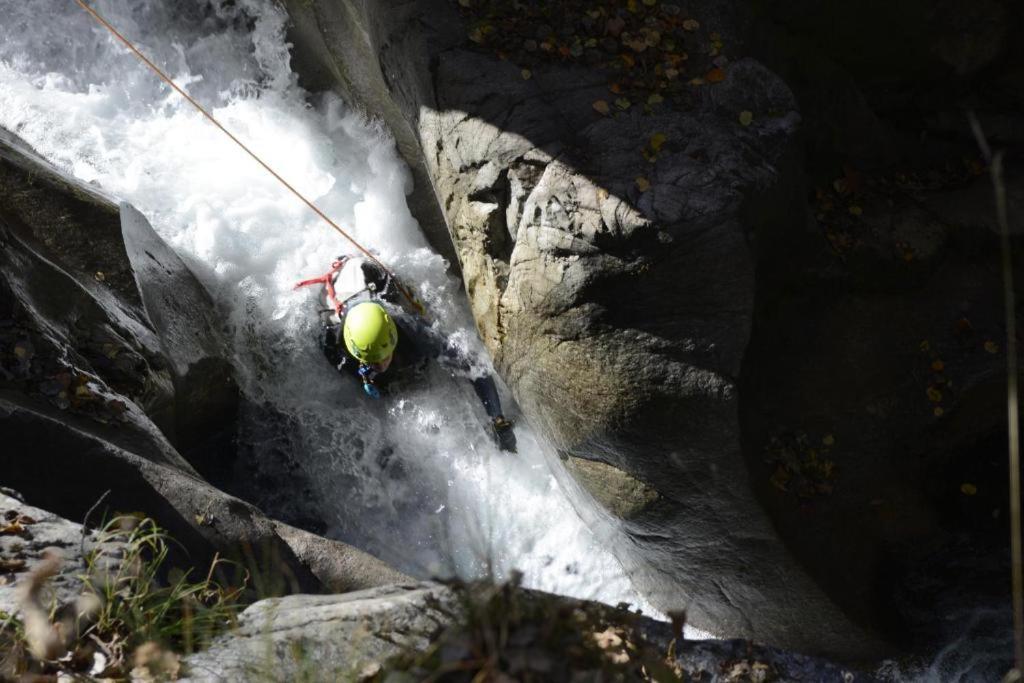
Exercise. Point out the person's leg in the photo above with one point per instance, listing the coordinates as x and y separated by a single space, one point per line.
488 394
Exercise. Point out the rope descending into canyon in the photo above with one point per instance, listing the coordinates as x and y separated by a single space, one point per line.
413 301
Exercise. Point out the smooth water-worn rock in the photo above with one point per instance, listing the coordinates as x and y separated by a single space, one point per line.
110 359
358 635
769 306
324 636
614 286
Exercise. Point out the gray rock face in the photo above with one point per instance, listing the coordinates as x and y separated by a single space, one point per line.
182 312
329 637
22 552
738 325
618 309
352 636
111 359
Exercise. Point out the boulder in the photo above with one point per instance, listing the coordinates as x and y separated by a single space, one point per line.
372 634
767 305
608 263
111 362
22 549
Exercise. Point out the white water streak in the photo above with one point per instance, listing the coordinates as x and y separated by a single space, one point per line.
452 503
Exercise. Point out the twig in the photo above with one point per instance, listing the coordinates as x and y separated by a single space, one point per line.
995 162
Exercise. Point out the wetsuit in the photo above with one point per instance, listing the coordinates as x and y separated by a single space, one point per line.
418 344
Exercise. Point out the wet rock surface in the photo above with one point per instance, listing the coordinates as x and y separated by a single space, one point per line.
111 365
771 296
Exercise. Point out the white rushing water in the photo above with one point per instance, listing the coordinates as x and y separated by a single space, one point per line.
416 481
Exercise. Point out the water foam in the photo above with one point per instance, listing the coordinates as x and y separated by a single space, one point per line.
445 502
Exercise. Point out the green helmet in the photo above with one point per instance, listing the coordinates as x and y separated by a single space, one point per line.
370 333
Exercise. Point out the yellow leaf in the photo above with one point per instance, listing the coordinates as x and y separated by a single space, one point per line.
938 412
476 35
658 141
691 25
655 99
643 184
696 81
526 73
746 118
100 276
829 440
856 210
934 395
466 3
925 346
622 103
938 366
991 346
968 489
631 5
601 107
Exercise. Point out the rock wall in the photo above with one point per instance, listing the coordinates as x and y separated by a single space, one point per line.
611 277
360 635
111 365
765 302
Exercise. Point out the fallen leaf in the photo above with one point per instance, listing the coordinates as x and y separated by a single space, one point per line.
856 210
526 74
657 141
925 346
15 528
622 103
934 395
938 411
650 3
696 81
601 107
655 99
643 184
991 346
968 489
615 26
691 25
631 5
829 440
938 366
716 75
100 277
746 118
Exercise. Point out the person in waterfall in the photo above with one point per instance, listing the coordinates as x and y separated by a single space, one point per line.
368 332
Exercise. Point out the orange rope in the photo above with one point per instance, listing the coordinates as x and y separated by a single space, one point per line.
103 22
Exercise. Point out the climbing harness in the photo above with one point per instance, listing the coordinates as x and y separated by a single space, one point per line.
413 301
327 280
